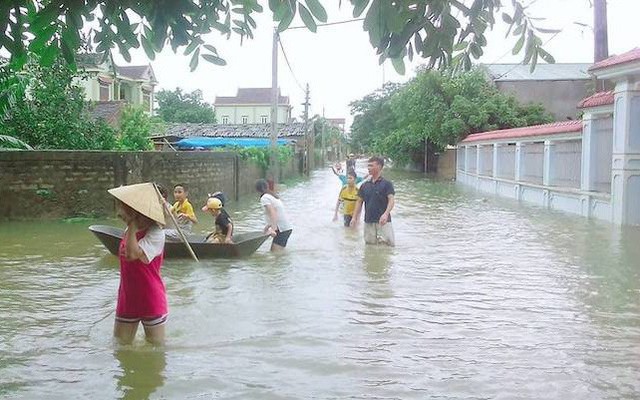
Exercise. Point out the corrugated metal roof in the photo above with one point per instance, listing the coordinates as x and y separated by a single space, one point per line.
543 72
293 129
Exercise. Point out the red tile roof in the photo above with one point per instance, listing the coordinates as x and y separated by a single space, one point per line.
629 56
598 99
527 131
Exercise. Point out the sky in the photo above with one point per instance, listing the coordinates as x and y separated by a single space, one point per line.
340 65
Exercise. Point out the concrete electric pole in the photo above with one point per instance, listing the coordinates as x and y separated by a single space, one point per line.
601 41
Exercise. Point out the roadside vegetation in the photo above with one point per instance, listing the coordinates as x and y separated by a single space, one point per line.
433 110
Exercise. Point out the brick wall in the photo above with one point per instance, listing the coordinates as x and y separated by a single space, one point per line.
60 184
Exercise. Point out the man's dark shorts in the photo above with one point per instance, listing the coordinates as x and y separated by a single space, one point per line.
347 219
282 238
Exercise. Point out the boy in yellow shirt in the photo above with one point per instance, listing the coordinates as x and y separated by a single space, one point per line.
347 197
183 210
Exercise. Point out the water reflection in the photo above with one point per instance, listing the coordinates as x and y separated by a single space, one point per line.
141 371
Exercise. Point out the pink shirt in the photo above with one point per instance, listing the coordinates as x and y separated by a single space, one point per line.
142 293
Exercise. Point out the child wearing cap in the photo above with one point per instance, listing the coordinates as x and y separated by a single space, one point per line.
223 226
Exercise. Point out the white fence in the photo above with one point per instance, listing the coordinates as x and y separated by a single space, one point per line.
546 169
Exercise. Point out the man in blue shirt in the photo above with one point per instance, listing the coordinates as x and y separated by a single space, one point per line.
377 194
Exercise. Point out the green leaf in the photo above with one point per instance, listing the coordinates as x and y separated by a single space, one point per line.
214 60
317 10
285 22
148 47
534 60
398 65
192 46
546 56
507 18
211 49
307 18
518 46
193 64
358 7
460 46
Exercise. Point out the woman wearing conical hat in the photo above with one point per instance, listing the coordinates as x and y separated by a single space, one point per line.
141 296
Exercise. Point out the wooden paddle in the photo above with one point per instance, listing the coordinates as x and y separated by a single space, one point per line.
175 222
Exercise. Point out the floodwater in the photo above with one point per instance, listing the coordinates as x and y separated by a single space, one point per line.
481 299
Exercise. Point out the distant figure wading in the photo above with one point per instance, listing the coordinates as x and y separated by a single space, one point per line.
277 225
377 194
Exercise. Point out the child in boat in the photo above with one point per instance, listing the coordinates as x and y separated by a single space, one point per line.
142 295
223 226
183 210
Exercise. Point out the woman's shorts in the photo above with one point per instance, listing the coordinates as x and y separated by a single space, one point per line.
282 238
151 321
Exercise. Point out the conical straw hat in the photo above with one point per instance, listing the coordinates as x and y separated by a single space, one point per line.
143 198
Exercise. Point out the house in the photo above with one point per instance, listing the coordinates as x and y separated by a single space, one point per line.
559 87
251 106
105 81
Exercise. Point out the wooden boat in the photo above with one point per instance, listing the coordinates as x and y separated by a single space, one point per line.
244 244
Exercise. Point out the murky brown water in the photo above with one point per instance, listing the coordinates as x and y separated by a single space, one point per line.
481 299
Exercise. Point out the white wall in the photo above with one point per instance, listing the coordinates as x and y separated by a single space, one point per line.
253 112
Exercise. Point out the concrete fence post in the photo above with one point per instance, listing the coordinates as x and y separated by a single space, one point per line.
496 160
519 167
478 160
588 156
548 166
625 172
466 159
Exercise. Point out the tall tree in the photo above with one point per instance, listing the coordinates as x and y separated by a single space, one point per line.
444 31
177 106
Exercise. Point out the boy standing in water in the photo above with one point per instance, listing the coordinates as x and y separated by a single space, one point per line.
348 197
183 210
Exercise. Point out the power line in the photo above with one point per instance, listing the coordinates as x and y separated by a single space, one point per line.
517 65
286 59
328 23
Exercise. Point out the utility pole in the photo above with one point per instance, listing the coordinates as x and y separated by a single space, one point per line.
601 42
600 37
307 147
324 122
273 159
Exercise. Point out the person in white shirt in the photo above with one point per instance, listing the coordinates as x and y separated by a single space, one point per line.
276 218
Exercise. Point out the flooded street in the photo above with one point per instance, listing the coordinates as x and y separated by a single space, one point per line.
481 299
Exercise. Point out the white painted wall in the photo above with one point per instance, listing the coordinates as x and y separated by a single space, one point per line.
252 112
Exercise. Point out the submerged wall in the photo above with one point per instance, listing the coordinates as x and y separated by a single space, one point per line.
60 184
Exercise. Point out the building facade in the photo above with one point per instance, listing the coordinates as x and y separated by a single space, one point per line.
558 87
251 106
589 167
105 81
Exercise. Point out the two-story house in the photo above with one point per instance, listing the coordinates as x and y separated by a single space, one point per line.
107 82
251 106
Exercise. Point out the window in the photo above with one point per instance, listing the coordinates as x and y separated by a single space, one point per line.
146 99
245 119
104 91
225 119
122 93
263 119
